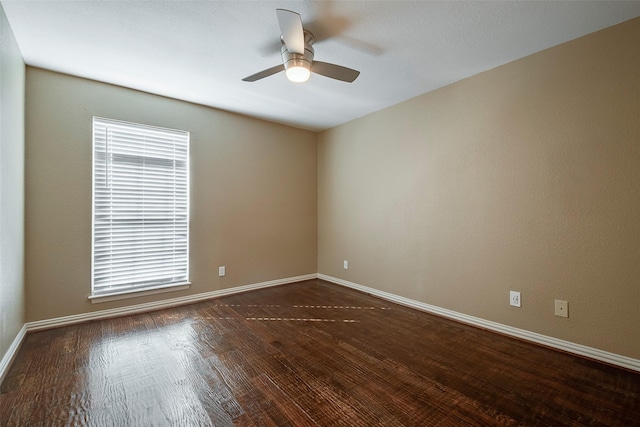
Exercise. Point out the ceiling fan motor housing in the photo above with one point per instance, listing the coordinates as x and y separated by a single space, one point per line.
291 59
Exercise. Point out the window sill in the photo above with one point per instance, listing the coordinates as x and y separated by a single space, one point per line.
97 299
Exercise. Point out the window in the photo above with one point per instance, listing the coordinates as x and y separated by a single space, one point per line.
140 208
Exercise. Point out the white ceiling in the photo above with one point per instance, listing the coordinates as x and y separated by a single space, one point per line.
199 51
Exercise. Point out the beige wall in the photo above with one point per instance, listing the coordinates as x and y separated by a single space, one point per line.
525 177
253 192
11 187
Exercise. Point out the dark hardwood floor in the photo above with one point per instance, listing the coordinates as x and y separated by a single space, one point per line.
306 354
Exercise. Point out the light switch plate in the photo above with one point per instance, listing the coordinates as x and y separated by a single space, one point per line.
514 299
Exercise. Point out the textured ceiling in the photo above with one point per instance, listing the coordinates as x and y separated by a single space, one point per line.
199 51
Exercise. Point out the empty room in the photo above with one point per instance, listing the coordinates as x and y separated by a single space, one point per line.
318 213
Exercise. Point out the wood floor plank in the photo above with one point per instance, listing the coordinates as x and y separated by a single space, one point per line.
305 354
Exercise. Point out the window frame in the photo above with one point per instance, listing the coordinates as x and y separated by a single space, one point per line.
180 205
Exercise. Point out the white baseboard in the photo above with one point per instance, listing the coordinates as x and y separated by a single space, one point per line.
567 346
150 306
11 352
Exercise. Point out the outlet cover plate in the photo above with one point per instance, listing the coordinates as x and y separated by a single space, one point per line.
345 264
515 299
222 271
562 308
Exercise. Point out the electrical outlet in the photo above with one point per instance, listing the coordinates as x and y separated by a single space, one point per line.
346 264
562 308
222 271
514 299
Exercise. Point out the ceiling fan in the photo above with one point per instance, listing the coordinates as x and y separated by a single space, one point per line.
297 54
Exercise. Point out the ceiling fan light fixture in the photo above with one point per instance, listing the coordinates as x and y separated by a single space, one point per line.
297 66
298 73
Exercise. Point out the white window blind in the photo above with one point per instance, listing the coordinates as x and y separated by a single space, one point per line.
140 207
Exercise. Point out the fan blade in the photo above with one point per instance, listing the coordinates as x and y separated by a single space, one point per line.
334 71
264 73
291 30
